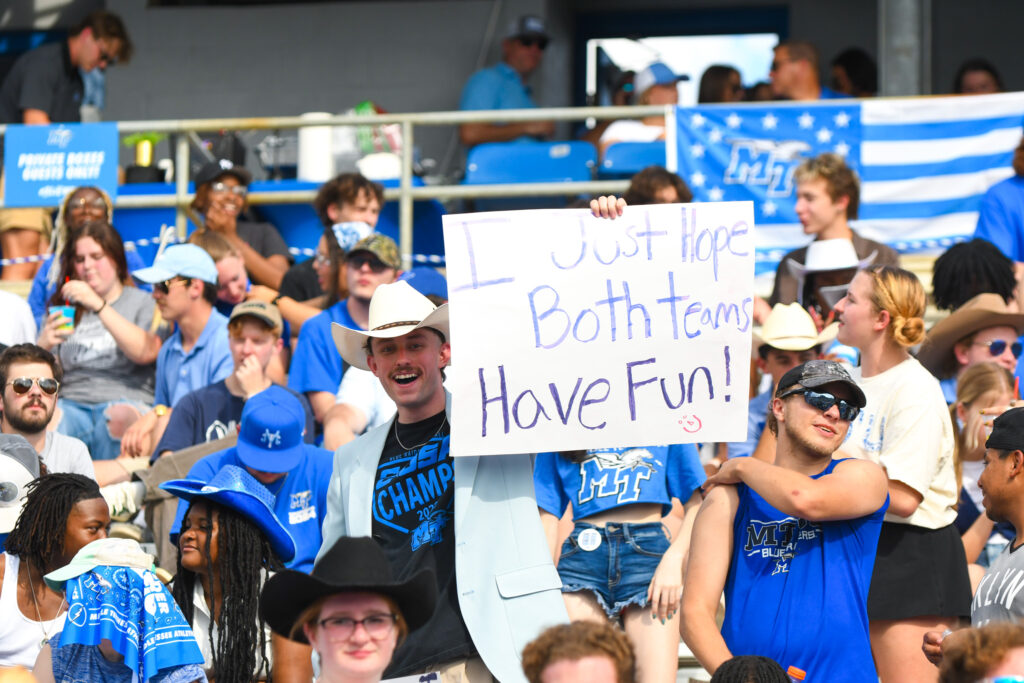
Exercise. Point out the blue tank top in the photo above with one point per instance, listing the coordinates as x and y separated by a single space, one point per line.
797 590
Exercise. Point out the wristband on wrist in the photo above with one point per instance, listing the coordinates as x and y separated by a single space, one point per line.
102 306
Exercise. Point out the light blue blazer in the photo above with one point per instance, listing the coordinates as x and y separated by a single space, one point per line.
509 590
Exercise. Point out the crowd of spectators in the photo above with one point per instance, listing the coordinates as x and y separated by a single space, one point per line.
252 417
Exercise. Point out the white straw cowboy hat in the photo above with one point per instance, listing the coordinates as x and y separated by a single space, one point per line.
978 313
790 328
837 254
395 309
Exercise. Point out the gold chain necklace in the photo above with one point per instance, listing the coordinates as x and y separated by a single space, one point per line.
35 604
410 448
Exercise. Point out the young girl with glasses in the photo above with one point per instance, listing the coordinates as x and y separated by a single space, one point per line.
920 580
351 609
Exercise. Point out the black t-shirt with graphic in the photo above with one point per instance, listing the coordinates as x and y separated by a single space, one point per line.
413 520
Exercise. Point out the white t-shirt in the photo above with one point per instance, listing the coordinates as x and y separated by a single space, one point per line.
19 324
628 130
202 623
362 390
63 453
905 427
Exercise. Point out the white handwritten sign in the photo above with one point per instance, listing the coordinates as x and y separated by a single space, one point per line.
572 332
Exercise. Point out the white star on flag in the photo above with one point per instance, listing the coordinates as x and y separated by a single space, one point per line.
715 194
824 135
842 119
805 120
697 179
769 208
697 120
733 120
697 150
842 149
715 135
770 121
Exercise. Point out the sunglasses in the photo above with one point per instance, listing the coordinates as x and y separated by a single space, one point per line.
997 347
823 401
531 41
239 190
22 385
165 286
375 264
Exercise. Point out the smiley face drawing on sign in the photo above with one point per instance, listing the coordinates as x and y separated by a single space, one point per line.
691 424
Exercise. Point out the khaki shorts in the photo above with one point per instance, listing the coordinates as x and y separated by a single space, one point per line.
29 218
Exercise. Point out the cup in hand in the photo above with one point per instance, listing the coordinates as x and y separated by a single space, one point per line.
67 312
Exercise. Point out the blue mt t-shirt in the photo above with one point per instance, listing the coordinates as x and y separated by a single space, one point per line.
316 365
790 577
612 477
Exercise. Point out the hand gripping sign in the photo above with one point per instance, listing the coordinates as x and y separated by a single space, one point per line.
574 332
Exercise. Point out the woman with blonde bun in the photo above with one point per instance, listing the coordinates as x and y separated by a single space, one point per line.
920 580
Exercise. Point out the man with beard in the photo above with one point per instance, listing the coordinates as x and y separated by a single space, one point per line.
802 537
30 377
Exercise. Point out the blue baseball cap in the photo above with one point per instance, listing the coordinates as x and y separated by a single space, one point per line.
270 435
180 260
657 73
426 281
235 488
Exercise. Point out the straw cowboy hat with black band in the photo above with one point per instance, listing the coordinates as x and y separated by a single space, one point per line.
395 309
980 313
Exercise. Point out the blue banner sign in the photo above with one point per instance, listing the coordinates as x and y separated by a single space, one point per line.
43 163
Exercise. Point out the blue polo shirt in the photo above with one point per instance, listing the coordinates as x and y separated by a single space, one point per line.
300 499
496 87
209 361
316 364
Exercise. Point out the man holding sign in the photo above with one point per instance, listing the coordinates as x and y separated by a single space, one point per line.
45 86
801 537
473 518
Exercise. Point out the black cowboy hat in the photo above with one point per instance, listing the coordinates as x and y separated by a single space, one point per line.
352 565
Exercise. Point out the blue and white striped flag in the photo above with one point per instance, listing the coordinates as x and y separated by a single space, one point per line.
924 162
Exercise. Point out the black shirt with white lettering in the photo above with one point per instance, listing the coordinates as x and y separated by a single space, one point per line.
413 520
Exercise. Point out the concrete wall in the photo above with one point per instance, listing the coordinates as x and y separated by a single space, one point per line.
290 58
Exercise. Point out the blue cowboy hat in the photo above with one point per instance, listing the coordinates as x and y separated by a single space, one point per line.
235 488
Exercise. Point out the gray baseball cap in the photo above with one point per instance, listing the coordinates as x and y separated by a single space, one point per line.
816 373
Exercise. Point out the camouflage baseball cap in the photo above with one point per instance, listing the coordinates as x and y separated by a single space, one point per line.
815 373
381 246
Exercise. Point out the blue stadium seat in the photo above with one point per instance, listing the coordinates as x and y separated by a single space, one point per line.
530 162
623 159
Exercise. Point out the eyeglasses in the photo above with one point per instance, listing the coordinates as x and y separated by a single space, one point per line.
22 385
322 259
777 63
378 626
530 41
165 286
105 57
83 203
376 265
239 190
997 347
823 401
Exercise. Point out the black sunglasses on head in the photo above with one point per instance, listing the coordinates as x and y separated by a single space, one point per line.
823 401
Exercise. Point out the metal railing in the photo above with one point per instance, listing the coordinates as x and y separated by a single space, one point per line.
405 193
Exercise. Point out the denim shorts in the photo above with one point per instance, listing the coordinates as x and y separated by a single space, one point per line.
619 571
